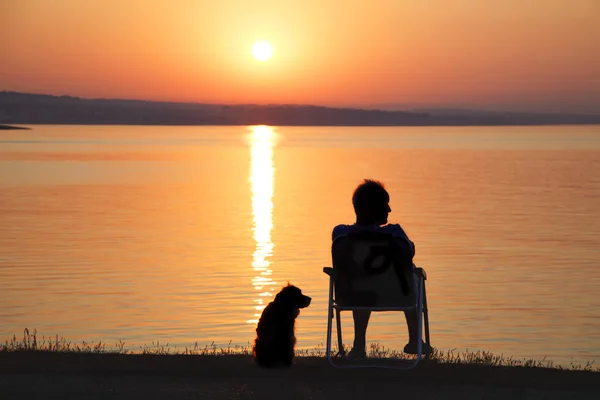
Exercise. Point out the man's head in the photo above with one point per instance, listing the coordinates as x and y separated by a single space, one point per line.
371 203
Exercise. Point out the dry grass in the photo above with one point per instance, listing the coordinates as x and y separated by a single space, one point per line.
30 343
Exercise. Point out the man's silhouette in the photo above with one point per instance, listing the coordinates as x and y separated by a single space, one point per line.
371 205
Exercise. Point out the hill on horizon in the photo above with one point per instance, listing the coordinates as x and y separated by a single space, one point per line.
28 108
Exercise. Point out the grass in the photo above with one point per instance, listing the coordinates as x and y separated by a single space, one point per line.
30 343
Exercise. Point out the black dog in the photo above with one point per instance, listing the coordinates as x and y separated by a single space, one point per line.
275 337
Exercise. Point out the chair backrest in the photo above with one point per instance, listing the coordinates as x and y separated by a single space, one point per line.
373 269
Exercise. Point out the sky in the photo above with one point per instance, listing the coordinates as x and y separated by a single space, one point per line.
523 55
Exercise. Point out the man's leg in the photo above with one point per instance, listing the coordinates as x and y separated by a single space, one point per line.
413 325
361 320
412 322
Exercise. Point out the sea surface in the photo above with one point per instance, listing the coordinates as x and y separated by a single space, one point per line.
181 235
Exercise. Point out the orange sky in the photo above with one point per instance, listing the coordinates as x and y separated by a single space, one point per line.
509 54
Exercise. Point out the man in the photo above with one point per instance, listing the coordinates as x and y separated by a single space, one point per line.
371 206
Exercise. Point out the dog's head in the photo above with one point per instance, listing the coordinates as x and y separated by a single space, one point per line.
292 296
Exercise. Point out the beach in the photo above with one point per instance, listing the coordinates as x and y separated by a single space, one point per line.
116 376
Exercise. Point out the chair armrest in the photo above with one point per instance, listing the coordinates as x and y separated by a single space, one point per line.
329 271
421 272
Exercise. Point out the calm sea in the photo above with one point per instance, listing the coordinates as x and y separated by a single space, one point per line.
181 235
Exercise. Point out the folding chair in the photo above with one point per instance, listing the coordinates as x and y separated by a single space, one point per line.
374 271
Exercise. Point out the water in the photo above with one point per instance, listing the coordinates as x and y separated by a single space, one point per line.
182 234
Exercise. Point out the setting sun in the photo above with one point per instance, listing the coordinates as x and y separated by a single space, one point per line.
262 51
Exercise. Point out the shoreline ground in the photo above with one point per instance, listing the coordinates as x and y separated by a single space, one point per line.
42 374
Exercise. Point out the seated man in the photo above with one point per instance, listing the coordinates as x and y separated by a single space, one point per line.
371 205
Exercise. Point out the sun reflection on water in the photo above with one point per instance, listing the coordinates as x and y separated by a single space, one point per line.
261 180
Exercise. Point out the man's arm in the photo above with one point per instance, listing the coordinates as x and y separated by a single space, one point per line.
397 231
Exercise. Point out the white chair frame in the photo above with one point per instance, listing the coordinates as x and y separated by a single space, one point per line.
420 307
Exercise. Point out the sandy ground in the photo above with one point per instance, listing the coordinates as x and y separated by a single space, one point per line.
110 376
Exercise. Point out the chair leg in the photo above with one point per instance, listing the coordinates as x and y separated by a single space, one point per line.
338 321
420 319
329 322
426 318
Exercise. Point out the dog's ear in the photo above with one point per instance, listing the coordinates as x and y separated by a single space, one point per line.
282 295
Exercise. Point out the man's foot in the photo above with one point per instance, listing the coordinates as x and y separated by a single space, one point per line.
412 348
356 353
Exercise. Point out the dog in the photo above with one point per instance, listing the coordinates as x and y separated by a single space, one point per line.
275 335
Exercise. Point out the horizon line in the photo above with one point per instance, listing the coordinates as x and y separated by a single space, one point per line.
424 108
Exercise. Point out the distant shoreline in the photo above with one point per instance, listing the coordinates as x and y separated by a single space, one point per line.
296 125
29 109
12 127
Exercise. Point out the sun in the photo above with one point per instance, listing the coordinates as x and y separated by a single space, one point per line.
262 51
